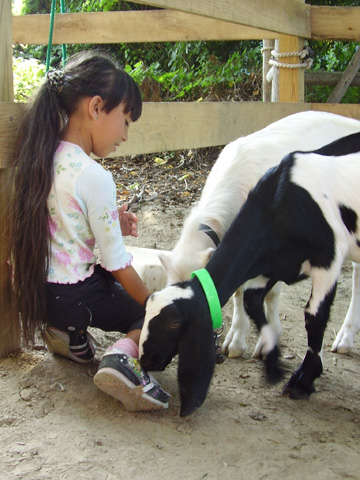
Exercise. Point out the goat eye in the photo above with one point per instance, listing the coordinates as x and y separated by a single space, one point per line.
174 325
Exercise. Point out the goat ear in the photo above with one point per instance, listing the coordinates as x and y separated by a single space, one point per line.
165 259
196 363
207 254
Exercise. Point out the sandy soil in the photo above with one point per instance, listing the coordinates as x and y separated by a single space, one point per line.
55 424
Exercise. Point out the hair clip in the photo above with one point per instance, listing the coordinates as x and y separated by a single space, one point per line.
56 79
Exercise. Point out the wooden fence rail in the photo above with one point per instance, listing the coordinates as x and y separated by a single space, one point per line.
327 23
328 78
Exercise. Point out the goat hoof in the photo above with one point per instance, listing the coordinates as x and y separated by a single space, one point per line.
296 390
219 357
296 393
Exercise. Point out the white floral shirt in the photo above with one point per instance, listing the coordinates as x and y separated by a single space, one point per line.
83 212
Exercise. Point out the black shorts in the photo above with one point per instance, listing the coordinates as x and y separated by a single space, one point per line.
98 301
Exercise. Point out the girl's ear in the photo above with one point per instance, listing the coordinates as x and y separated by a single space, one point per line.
95 105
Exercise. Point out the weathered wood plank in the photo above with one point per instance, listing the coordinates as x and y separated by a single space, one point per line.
6 79
10 115
129 27
282 16
345 109
9 318
345 79
327 23
328 78
175 126
335 23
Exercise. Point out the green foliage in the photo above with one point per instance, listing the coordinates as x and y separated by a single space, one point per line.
192 71
28 75
96 6
320 93
331 56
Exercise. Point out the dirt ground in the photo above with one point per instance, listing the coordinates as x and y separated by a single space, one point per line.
55 424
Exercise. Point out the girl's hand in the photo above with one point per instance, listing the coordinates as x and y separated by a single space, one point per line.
128 221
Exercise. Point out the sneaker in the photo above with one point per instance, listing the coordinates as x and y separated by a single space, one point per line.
78 345
122 377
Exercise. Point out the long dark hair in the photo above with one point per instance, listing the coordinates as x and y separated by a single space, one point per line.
86 74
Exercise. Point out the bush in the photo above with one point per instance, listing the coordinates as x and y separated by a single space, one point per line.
196 70
28 75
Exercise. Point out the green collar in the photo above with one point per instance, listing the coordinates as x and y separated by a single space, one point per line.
211 295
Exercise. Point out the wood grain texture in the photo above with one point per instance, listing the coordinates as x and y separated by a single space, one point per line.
291 80
282 16
183 125
346 78
9 318
129 27
327 23
6 79
335 23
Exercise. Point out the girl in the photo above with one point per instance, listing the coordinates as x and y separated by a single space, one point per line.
64 203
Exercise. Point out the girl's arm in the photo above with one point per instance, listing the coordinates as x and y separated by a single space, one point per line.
132 283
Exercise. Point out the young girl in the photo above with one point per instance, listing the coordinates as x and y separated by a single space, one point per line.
64 203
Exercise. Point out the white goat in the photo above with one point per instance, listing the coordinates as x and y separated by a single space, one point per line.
234 175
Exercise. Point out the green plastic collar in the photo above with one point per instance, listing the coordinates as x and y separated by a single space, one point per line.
211 295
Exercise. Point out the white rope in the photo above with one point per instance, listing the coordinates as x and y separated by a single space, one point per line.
302 54
265 49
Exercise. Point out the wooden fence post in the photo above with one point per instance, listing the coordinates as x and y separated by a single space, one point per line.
291 80
6 78
9 319
268 45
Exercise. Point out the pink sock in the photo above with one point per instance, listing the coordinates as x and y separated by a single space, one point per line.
124 345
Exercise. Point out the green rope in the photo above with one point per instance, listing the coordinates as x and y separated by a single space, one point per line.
52 16
51 31
63 46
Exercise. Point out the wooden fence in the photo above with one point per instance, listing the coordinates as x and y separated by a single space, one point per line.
171 126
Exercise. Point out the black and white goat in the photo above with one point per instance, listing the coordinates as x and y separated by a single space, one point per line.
301 220
235 173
